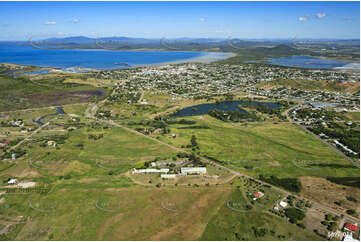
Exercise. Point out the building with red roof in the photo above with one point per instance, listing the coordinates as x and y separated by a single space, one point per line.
258 194
351 227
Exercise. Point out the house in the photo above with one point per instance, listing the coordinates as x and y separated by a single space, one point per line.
51 143
168 176
351 227
3 144
258 194
283 204
13 156
193 170
12 181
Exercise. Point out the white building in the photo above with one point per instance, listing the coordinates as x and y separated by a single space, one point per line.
12 181
168 176
348 237
150 170
193 170
283 204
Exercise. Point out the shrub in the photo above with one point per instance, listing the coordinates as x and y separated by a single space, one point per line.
294 214
351 211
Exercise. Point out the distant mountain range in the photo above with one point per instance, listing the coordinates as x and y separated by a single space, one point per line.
181 44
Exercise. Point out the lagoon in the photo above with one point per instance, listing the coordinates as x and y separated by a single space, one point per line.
222 106
307 62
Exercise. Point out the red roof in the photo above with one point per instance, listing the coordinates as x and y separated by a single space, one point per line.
257 194
351 227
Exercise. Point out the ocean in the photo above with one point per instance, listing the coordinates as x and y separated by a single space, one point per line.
95 59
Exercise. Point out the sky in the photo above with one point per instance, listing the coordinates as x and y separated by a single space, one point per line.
246 20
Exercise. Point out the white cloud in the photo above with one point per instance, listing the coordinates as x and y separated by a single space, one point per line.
320 15
202 19
302 19
50 23
76 20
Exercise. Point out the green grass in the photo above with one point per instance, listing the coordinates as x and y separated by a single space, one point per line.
117 149
233 225
269 148
20 93
135 215
353 116
304 85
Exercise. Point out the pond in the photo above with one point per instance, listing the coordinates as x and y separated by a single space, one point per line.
222 106
59 111
307 62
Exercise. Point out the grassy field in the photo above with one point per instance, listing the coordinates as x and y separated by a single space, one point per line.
353 116
117 149
81 210
20 93
134 213
265 148
305 85
228 224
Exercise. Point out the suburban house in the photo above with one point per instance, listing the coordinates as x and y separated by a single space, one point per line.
193 170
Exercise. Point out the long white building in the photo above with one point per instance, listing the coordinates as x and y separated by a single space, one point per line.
150 170
193 170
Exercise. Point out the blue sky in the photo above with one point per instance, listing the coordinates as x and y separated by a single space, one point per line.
21 20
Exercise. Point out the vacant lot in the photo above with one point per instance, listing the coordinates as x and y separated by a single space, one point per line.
331 194
263 148
117 214
21 93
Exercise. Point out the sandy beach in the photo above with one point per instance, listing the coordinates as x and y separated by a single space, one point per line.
208 57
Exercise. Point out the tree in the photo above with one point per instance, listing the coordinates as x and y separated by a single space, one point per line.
194 141
294 214
329 217
351 211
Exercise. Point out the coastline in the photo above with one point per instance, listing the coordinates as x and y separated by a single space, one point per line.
206 57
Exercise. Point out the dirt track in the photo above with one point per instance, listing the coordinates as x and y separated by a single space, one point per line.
236 173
